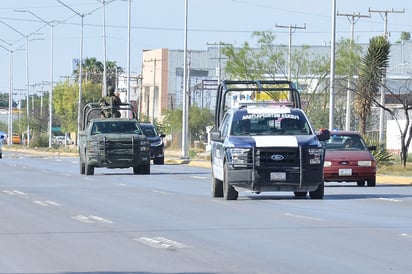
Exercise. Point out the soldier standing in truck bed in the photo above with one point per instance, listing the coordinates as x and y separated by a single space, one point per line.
114 103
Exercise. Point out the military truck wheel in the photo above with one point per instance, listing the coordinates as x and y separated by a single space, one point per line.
217 187
159 161
143 169
299 194
229 192
82 167
89 169
318 192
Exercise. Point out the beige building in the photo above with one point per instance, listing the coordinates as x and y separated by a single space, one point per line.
154 92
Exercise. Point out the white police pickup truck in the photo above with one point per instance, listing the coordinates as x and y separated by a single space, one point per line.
264 146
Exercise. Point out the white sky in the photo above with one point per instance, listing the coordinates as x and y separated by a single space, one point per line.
160 23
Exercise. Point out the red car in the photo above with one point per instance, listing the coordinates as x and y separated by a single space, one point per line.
348 159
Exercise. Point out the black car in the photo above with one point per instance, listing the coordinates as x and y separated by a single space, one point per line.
156 143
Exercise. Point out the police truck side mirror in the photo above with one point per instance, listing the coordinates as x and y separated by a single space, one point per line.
323 134
215 136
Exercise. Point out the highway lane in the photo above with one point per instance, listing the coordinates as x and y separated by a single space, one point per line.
54 220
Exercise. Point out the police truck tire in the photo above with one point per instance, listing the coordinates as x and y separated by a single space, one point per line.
159 161
229 192
318 192
217 187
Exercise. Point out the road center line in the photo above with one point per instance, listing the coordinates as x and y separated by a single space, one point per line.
302 217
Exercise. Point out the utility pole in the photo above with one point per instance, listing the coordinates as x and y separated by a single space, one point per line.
219 64
353 19
153 97
185 95
384 15
332 69
290 27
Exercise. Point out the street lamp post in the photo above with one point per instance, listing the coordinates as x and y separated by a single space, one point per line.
10 116
51 72
26 37
79 108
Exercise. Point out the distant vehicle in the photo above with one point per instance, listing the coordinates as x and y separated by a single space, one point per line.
348 159
62 140
156 143
1 144
16 139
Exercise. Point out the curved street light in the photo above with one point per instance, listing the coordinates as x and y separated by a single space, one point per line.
51 72
26 37
10 116
79 107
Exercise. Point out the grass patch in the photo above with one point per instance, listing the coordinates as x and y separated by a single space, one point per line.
395 169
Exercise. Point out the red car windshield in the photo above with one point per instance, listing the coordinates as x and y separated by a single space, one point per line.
345 142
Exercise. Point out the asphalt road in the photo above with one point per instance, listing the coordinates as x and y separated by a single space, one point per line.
54 220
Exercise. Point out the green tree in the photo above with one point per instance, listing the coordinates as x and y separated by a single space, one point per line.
65 102
405 36
372 69
199 118
92 70
270 61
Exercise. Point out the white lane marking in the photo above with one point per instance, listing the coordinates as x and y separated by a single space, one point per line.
14 192
46 203
302 217
161 192
199 177
19 192
91 219
82 218
40 203
390 200
406 235
161 242
100 219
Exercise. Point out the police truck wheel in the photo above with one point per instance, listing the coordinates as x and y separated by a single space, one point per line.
229 192
318 192
217 187
159 161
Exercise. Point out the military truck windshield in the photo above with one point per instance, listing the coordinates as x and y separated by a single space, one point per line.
105 127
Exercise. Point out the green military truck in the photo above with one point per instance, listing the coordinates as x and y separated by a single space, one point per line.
112 142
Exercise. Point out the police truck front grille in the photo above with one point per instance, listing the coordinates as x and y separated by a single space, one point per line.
277 157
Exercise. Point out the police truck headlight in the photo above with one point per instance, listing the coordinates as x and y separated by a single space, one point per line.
238 156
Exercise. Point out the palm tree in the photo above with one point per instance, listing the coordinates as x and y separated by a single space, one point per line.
372 71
